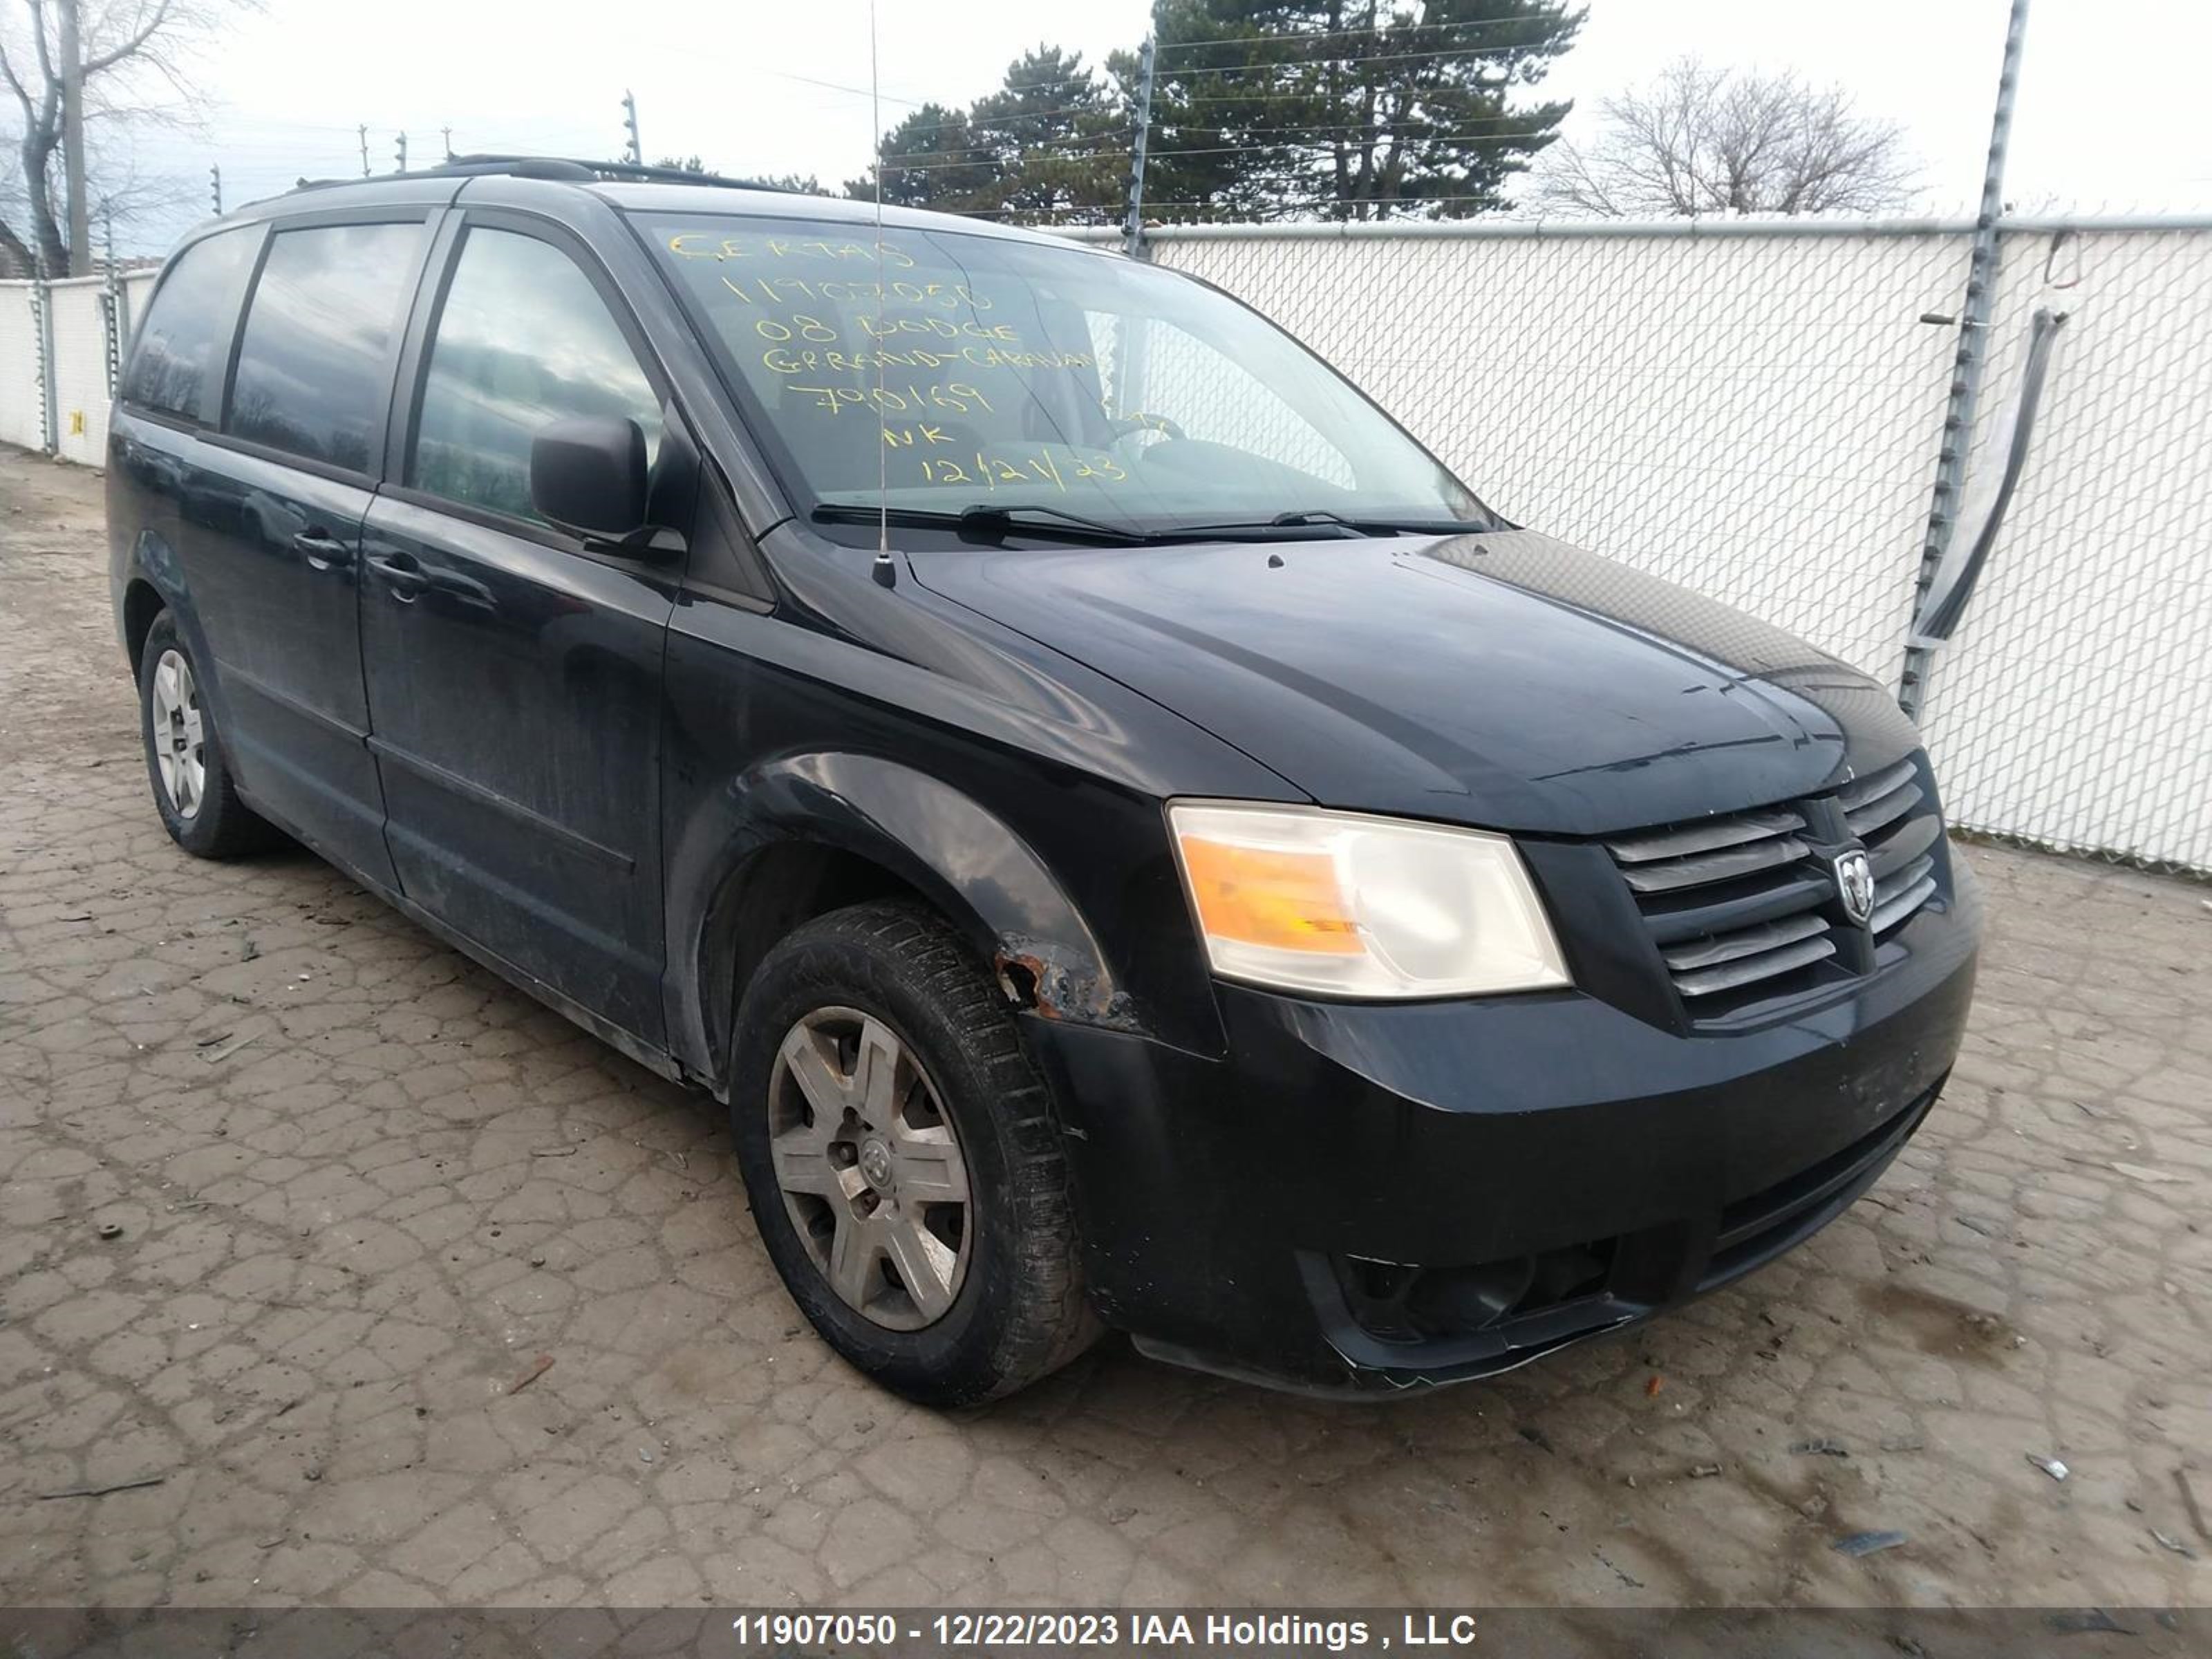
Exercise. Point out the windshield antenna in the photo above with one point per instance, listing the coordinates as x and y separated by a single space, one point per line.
886 573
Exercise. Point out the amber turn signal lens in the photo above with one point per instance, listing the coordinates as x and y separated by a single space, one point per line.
1301 898
1287 901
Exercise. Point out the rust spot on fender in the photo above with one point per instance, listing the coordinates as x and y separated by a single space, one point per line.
1058 984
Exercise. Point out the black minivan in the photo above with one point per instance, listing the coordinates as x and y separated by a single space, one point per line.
1134 841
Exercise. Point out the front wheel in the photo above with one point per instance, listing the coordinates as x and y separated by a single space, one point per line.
903 1164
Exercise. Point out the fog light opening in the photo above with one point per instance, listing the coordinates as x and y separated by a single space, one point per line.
1400 1301
1460 1299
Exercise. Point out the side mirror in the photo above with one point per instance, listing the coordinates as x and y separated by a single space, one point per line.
588 475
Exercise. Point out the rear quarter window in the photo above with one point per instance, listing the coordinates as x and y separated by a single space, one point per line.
314 370
186 334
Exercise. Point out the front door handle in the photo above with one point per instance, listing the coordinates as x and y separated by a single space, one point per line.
324 552
402 570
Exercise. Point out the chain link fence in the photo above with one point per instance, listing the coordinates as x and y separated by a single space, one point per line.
2074 707
1753 411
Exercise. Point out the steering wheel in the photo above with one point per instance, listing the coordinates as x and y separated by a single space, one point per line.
1127 425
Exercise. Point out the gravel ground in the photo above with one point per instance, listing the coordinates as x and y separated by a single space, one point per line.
364 1280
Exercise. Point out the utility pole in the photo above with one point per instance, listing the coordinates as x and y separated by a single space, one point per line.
1966 366
447 133
364 149
72 68
629 120
214 187
1132 222
399 149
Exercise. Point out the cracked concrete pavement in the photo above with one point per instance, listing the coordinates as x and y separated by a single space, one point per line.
367 1281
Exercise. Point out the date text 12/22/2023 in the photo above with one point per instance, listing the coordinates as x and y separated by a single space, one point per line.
1016 1630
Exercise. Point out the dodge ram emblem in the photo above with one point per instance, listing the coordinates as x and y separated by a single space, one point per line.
1854 885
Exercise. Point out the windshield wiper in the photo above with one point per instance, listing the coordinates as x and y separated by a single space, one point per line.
1411 526
989 522
994 522
1285 527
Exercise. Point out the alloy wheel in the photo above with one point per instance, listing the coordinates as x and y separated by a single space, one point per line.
870 1169
179 733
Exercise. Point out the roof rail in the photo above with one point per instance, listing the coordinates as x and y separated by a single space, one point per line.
621 170
551 167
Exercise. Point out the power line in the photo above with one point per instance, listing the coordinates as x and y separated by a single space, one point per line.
839 86
920 160
1315 204
1556 16
1091 78
1025 115
1331 60
1334 60
1267 96
1336 126
891 164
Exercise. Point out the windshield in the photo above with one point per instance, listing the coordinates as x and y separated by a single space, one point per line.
981 371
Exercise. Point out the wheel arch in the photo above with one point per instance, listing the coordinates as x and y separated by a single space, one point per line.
147 579
810 833
141 604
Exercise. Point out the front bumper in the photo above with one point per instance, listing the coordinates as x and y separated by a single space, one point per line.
1373 1197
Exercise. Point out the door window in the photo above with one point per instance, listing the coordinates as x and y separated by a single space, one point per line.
522 339
186 333
314 369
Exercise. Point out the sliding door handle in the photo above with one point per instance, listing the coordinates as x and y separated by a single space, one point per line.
323 551
402 571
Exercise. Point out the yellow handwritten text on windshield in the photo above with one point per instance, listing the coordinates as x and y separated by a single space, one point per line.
1008 465
955 397
695 245
783 290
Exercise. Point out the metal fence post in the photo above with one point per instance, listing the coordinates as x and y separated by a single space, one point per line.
1133 220
111 311
1957 438
42 353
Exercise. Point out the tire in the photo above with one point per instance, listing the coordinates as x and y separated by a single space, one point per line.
1002 1303
197 797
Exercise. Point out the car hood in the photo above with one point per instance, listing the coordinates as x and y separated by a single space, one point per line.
1506 680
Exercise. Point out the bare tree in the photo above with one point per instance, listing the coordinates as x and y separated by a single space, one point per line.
1700 140
131 59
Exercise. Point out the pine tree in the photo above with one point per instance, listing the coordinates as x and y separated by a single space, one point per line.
933 160
1051 131
1346 108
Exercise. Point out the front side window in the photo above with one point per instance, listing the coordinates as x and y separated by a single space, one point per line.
186 333
953 370
314 365
522 339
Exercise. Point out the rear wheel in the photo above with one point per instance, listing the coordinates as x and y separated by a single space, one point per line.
903 1164
185 761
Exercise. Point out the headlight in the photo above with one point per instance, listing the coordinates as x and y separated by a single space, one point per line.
1353 906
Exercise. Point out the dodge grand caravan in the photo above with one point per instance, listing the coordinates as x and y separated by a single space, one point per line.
1134 841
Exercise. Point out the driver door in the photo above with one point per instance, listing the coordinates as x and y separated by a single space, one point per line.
513 678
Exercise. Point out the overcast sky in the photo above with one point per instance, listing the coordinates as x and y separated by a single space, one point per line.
2111 112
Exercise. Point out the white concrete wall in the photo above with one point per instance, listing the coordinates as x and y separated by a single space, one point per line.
20 419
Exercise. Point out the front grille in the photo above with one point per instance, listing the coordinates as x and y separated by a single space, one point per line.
1743 907
1891 813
